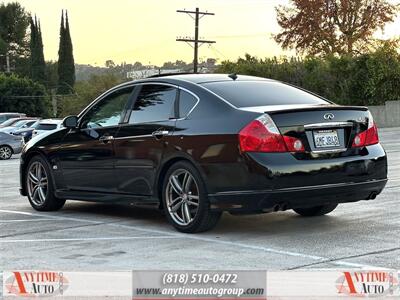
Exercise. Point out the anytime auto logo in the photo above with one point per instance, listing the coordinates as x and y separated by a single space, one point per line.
367 283
35 283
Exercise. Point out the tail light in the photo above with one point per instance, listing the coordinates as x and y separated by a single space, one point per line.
367 137
262 135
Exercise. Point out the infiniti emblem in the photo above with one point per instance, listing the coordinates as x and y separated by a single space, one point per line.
329 116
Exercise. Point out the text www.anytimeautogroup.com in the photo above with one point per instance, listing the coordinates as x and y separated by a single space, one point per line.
199 292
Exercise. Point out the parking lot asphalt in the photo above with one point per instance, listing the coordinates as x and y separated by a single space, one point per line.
90 236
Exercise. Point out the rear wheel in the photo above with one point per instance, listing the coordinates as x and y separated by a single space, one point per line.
316 210
5 152
39 186
185 200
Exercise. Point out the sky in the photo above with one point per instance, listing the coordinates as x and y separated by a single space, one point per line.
145 30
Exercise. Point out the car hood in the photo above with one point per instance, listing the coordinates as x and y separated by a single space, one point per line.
24 130
53 136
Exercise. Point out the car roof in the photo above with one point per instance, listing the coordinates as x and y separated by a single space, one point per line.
23 118
197 78
50 121
12 113
202 78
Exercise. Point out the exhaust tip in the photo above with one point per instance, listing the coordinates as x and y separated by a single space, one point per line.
276 207
372 196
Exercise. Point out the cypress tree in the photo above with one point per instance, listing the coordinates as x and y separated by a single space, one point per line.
66 65
38 64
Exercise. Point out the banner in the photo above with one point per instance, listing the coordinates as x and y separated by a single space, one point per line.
253 285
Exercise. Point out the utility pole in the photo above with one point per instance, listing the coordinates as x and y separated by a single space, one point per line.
8 62
197 43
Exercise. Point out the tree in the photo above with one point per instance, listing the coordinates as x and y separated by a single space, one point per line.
23 95
323 27
66 65
138 65
110 64
14 41
367 79
38 64
87 91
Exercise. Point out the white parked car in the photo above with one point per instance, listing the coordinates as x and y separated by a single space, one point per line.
47 125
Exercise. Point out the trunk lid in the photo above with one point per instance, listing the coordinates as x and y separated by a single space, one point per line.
322 129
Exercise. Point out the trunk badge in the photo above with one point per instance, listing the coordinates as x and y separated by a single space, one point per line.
329 116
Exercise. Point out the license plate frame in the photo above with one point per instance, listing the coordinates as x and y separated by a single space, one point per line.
327 138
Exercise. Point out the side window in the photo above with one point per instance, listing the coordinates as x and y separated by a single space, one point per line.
108 111
154 103
186 103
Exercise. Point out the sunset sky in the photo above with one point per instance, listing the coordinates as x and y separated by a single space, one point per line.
145 30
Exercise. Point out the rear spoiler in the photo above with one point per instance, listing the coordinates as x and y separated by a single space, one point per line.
316 108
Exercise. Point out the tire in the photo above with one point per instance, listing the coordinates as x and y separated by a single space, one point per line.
185 201
39 186
5 152
316 210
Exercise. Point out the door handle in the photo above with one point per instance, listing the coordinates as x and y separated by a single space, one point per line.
160 133
106 138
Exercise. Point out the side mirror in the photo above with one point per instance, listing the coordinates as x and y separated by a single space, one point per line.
70 122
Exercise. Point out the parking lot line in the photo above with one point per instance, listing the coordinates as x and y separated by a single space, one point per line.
318 259
88 239
26 220
47 216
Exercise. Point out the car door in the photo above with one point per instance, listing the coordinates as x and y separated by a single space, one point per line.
87 153
141 141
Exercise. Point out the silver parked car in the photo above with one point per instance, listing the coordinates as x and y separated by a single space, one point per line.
47 125
18 125
9 145
9 115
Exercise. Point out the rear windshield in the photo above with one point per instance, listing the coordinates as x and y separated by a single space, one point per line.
261 93
46 127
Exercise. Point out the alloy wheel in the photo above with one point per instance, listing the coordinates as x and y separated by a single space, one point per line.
37 183
182 197
5 152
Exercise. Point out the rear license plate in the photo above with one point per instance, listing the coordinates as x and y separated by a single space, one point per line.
326 138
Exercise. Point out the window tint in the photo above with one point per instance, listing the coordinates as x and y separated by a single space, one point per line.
36 124
261 93
21 123
28 124
2 119
186 103
108 111
154 103
45 126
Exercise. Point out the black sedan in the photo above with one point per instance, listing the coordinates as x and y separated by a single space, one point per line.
197 145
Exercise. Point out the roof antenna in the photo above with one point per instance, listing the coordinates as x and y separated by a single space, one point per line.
233 76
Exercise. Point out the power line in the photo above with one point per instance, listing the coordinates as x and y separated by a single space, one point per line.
196 41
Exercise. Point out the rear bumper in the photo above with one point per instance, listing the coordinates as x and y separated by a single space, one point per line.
275 181
18 149
288 198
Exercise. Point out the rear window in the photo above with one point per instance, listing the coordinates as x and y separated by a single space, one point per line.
261 93
46 127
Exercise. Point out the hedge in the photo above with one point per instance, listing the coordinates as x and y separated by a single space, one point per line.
367 79
23 95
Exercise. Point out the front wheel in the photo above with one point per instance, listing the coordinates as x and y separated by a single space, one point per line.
185 200
39 186
5 152
316 210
